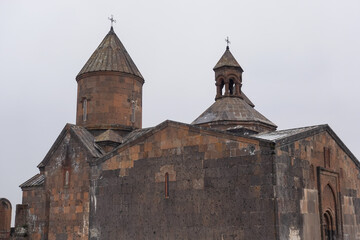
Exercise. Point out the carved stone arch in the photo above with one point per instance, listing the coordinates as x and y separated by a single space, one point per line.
5 203
329 197
233 77
330 204
219 79
234 85
329 225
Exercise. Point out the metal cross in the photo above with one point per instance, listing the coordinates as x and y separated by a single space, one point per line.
227 42
112 20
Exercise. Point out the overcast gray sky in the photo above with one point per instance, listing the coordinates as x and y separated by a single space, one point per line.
301 62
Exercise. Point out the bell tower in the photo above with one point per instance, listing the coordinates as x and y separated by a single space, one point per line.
228 76
109 92
232 109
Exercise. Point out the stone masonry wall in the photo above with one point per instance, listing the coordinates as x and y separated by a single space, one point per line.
218 188
67 186
304 169
33 209
112 99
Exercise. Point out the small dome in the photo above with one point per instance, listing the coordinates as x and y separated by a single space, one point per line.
232 109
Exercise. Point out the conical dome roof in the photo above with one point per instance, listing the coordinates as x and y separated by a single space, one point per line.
227 60
110 55
232 109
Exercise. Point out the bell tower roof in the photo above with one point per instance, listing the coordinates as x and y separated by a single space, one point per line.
110 56
227 60
232 108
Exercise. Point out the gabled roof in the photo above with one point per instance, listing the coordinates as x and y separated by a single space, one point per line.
35 181
231 109
88 140
227 60
110 55
283 134
141 134
84 137
109 136
283 137
136 134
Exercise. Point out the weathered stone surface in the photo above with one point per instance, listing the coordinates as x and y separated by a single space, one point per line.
208 196
228 177
5 218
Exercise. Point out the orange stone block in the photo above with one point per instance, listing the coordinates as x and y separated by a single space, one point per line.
86 196
135 149
147 146
66 210
79 209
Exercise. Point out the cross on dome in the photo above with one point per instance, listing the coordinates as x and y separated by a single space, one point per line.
227 42
112 20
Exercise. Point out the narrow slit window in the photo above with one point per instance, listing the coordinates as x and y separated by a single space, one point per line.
67 178
166 185
326 157
84 103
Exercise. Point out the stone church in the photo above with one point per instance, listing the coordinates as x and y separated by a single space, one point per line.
230 174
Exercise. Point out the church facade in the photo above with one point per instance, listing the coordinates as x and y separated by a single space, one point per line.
228 175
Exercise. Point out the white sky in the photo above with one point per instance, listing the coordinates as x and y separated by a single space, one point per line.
301 62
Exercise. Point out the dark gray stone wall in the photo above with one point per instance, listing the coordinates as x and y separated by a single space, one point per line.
224 198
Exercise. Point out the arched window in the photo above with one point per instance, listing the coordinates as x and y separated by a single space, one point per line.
166 185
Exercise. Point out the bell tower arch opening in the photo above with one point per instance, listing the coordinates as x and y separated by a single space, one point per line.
231 86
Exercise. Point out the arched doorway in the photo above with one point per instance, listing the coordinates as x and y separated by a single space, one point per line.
329 216
329 228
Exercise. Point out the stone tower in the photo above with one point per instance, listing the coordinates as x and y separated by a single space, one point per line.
232 110
110 89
